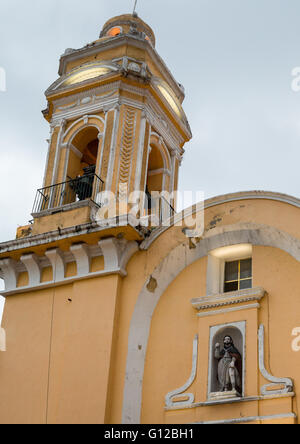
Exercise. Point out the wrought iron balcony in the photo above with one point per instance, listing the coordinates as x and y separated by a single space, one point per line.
74 190
158 208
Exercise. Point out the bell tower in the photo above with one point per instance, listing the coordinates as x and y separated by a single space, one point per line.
117 126
117 123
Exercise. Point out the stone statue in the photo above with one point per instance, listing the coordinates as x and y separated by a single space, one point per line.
229 367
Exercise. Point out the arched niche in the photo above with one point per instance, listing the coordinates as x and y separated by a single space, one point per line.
156 167
84 148
158 179
217 334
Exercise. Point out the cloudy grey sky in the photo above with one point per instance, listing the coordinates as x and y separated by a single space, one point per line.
234 58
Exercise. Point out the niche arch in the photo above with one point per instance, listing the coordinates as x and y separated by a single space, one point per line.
237 331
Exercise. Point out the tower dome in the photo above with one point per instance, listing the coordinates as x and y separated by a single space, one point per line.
128 24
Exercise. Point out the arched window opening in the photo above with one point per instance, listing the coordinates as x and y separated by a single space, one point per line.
157 203
114 32
82 181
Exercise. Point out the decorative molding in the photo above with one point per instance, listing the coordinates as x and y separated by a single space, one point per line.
82 257
119 41
57 260
228 310
275 382
211 403
117 254
140 154
99 227
225 299
66 207
75 150
227 198
112 151
9 273
59 85
127 146
31 262
249 419
85 120
148 104
171 397
63 123
53 284
152 110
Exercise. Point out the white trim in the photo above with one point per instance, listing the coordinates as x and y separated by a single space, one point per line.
57 260
159 171
211 403
78 153
170 399
31 262
114 43
48 155
227 310
101 153
58 151
140 155
112 152
219 200
232 298
66 281
249 419
117 254
86 124
275 382
82 257
152 109
9 273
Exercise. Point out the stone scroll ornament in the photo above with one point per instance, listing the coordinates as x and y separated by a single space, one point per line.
175 394
270 389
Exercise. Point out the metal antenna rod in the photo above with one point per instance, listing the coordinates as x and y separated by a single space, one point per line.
134 9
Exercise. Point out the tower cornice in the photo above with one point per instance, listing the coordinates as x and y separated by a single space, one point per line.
112 44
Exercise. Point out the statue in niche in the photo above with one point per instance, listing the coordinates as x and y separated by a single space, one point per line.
229 367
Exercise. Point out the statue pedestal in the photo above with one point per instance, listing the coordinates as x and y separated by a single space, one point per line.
220 396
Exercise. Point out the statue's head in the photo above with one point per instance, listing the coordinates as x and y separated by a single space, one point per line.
228 341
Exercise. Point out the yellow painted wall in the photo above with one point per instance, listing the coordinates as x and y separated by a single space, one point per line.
86 340
60 373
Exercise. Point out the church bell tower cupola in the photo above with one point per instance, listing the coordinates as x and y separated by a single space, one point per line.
117 126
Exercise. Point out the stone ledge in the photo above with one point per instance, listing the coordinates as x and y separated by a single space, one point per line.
225 299
230 401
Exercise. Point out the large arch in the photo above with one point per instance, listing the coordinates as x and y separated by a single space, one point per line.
165 273
77 126
156 140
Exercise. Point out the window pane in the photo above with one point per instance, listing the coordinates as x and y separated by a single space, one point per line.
246 269
231 286
246 284
232 271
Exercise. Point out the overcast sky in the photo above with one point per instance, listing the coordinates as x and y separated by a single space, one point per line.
234 57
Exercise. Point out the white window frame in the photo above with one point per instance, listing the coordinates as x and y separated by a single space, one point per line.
216 265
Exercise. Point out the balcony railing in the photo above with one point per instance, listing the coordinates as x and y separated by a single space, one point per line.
158 208
74 190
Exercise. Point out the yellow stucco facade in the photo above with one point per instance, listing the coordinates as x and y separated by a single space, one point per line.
112 320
